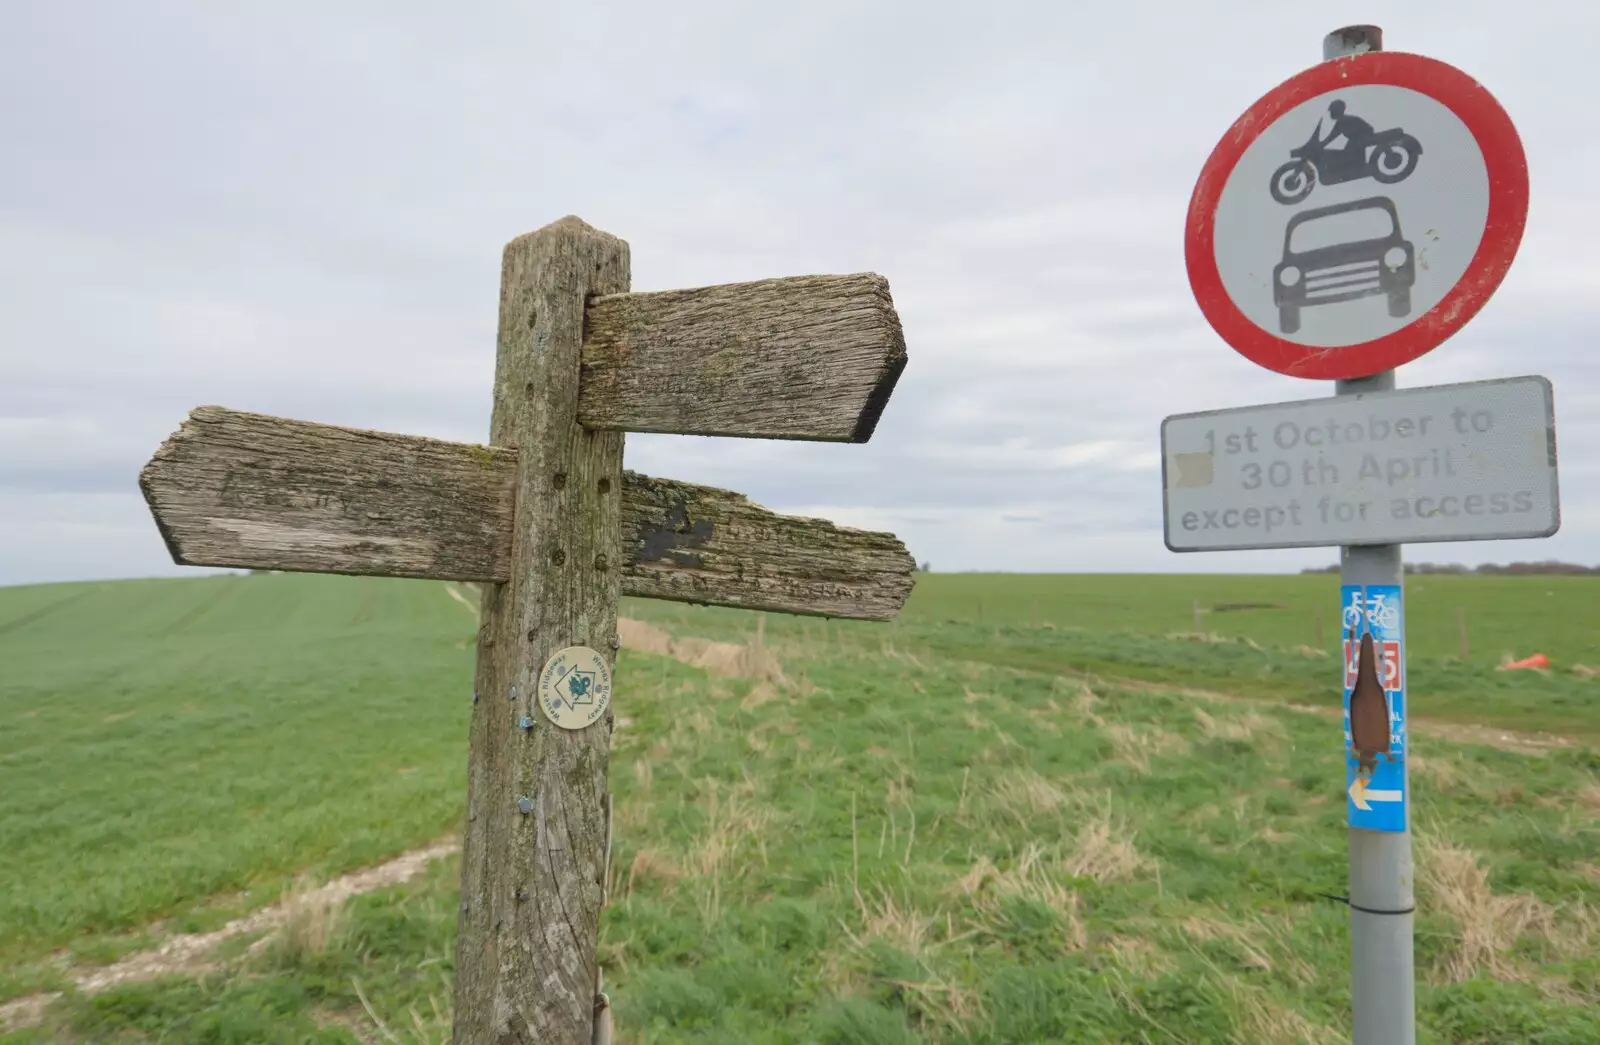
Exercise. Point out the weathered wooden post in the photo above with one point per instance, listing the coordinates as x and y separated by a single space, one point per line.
548 519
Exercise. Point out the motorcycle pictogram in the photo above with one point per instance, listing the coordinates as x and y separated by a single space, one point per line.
1385 156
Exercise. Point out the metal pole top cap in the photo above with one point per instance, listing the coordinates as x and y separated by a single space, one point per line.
1352 39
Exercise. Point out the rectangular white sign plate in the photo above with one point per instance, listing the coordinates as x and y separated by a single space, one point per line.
1467 462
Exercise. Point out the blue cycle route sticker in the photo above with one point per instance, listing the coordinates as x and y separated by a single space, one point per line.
1375 763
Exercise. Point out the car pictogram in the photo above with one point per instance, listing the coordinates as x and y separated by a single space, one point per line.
1342 253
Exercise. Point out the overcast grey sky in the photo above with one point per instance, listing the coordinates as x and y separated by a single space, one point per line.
298 208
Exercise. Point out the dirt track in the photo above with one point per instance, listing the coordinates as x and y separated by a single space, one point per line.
191 952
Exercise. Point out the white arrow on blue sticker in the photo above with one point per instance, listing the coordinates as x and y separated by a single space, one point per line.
1360 794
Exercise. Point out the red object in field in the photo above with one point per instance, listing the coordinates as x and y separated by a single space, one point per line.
1538 660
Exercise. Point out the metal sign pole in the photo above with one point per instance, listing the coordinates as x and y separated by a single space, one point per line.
1382 898
1369 469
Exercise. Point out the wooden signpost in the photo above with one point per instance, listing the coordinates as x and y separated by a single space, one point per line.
546 517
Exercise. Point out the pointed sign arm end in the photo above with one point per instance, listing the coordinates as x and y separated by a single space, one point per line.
250 491
805 357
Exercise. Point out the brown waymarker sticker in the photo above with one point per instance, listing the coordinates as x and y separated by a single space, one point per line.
1369 710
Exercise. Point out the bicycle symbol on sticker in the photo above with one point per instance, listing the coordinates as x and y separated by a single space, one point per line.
1376 610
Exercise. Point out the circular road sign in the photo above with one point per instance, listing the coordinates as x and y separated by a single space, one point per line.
1356 216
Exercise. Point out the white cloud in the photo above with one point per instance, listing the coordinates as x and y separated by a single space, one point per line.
299 209
1112 218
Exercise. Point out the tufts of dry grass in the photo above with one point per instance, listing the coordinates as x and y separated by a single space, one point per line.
643 638
1084 702
1209 638
729 659
1588 798
1034 876
761 693
1104 850
1489 925
755 661
1246 940
942 1003
432 1028
652 869
1441 772
1024 794
1136 745
895 921
893 652
1263 1021
313 922
1045 718
1138 954
634 816
1247 726
902 926
731 823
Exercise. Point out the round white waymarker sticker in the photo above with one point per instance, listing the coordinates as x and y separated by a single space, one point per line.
575 687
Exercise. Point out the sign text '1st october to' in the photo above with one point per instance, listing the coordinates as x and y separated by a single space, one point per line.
1453 462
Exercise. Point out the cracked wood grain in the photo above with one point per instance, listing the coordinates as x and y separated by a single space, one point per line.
700 544
807 357
548 520
251 491
530 905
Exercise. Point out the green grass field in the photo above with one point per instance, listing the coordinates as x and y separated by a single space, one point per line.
1516 615
178 748
1142 627
970 826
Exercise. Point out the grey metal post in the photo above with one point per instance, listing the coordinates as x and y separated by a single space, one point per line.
1382 955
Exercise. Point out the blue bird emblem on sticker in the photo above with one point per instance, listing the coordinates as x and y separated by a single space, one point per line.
575 687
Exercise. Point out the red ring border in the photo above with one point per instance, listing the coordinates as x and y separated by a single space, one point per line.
1497 139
